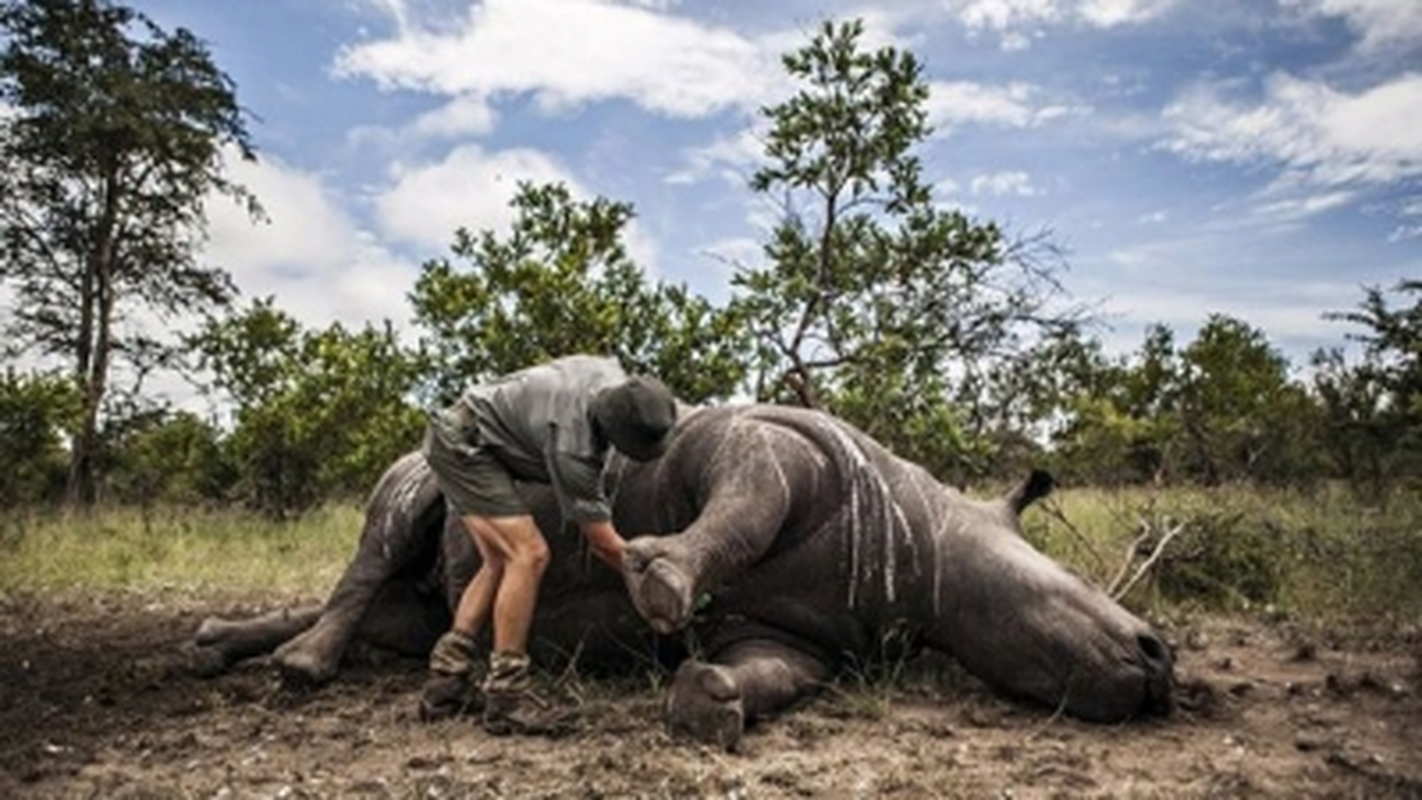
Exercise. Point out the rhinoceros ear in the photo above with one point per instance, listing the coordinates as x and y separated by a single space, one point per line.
1037 485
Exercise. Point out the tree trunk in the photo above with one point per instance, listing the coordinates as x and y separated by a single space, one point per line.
78 492
99 297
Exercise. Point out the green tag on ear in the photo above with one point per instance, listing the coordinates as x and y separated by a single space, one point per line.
703 600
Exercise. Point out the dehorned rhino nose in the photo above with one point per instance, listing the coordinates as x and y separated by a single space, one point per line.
1159 668
1154 652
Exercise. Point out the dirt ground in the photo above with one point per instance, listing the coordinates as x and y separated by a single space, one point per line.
97 700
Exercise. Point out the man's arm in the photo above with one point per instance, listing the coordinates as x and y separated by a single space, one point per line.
606 543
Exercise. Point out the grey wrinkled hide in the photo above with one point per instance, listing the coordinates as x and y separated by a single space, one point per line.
811 541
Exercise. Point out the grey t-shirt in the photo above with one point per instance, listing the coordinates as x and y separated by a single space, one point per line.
539 423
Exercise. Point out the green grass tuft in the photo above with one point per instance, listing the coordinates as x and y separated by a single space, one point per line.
124 549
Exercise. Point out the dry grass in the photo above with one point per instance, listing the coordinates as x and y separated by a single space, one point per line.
123 549
1319 554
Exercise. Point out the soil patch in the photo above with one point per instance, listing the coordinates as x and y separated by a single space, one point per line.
96 700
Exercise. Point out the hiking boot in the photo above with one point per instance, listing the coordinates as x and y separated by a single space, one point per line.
450 688
513 705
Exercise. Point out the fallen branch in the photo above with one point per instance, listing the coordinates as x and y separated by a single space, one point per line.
1117 594
1128 559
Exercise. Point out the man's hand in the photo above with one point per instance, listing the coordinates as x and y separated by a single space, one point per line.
606 543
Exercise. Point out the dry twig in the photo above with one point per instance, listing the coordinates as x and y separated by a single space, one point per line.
1117 594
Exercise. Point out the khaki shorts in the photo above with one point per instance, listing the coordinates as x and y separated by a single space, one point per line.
473 479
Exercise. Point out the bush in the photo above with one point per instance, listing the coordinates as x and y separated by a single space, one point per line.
1319 553
1220 558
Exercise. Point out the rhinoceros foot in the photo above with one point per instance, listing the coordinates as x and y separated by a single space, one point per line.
303 663
206 662
705 704
662 592
216 631
217 645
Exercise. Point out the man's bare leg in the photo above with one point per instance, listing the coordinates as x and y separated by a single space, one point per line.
517 542
453 662
510 704
477 601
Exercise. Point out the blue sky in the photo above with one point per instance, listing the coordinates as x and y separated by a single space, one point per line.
1260 158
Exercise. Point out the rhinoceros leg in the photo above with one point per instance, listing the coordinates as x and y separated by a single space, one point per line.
401 531
713 701
224 642
400 618
404 618
751 484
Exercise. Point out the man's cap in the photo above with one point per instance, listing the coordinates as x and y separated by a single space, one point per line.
637 416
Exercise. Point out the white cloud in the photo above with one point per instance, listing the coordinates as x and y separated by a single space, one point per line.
1001 15
951 105
955 103
1316 137
1410 226
946 187
466 114
1110 13
1264 281
656 5
311 256
1295 208
569 52
1004 183
1289 314
1378 22
469 188
731 157
1017 21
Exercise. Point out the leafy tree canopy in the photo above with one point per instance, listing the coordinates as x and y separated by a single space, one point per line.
875 303
561 282
114 140
317 413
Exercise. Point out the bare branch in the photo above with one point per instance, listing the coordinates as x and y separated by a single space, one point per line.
1149 562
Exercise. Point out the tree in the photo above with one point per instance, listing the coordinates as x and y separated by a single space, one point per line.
1222 408
317 413
1240 416
114 142
1121 423
167 456
874 303
1374 407
1356 441
561 282
35 409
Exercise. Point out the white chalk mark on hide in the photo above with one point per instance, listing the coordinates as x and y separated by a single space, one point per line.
400 511
938 538
782 481
866 488
900 539
715 459
852 532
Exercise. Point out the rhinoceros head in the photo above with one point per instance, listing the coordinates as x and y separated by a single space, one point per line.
1030 627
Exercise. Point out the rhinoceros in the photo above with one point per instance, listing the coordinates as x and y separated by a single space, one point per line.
785 543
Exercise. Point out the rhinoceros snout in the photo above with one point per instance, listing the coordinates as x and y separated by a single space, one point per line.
1159 668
